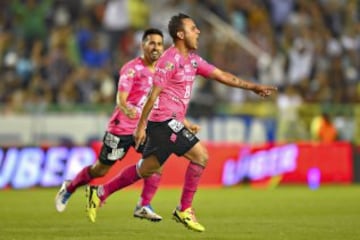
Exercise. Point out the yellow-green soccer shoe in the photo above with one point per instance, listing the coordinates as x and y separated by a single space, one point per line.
188 218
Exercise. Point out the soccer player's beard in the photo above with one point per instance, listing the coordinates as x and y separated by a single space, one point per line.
154 57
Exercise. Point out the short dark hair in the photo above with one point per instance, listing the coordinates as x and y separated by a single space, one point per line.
176 24
151 31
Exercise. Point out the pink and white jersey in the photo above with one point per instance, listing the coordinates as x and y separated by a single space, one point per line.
136 79
175 74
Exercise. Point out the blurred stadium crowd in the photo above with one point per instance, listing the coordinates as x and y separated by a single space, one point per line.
67 52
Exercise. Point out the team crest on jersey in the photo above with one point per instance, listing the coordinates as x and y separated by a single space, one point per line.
131 73
169 66
194 63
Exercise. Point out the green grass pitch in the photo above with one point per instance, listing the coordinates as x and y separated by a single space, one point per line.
287 212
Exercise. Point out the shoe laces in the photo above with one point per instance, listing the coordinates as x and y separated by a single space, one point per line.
148 209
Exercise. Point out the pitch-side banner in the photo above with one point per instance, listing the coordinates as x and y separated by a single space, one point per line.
229 164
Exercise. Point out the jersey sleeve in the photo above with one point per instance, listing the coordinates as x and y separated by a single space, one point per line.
126 79
164 70
204 68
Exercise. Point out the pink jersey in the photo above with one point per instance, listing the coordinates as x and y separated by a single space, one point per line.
136 79
175 74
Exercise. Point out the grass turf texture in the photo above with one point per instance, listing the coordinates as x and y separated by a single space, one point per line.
291 212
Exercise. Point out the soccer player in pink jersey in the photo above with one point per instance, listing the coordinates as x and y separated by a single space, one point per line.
135 81
163 122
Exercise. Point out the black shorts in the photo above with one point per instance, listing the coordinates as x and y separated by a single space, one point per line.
115 147
165 138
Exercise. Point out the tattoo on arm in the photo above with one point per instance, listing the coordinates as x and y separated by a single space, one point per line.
240 83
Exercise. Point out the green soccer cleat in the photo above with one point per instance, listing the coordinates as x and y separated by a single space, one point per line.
188 218
93 202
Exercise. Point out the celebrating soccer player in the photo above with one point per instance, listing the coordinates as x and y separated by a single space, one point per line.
134 84
163 122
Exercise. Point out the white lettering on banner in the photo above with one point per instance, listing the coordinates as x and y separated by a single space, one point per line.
54 166
261 164
32 166
8 164
28 170
78 158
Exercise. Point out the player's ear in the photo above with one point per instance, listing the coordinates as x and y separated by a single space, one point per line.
180 34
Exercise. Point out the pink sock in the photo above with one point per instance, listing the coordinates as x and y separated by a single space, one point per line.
82 178
151 184
192 178
127 177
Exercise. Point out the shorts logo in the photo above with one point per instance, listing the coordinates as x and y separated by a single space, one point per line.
186 133
175 125
116 153
111 140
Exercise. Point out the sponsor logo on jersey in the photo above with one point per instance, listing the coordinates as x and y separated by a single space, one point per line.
169 66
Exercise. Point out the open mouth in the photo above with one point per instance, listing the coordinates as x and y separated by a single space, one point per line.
155 53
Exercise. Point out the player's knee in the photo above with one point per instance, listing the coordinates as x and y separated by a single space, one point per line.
145 173
203 158
98 171
147 167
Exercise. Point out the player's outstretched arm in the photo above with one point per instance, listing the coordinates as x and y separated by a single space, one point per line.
234 81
